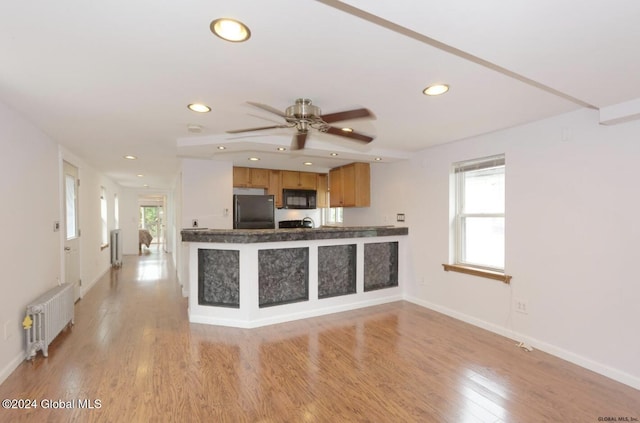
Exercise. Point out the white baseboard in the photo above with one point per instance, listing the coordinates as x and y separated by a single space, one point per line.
554 350
13 364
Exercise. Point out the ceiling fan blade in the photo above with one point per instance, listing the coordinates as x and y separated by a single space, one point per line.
268 108
299 139
237 131
346 115
353 135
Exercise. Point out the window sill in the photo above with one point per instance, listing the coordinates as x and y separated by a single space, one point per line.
103 246
475 271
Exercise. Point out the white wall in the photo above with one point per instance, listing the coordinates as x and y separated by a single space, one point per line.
129 221
572 238
206 192
30 253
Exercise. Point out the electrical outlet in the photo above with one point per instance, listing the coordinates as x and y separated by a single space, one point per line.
521 306
194 223
400 217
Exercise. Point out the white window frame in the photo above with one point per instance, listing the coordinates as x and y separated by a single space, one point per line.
460 215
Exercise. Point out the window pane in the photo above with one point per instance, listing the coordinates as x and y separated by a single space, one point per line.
70 200
483 241
484 190
116 212
103 215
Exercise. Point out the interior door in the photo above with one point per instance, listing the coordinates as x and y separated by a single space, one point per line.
72 229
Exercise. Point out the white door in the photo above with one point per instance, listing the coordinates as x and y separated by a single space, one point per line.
72 229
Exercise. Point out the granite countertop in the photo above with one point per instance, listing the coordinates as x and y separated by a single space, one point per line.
248 236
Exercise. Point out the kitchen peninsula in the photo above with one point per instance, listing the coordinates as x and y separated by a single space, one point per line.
255 277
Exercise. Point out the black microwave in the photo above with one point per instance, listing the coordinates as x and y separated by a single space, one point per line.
298 199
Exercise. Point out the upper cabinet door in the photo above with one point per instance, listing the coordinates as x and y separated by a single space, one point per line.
290 179
240 177
260 178
308 180
248 177
298 180
349 185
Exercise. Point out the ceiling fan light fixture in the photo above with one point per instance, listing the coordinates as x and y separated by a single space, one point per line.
199 108
230 30
436 89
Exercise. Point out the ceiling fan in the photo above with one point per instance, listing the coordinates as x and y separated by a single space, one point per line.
303 115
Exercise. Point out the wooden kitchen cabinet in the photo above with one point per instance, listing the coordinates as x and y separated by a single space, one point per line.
322 195
249 177
298 180
350 186
275 187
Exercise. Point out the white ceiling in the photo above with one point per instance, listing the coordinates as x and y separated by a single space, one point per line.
106 79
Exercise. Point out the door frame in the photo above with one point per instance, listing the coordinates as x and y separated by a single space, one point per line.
62 225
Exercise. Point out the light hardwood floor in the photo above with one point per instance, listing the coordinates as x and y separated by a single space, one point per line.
133 349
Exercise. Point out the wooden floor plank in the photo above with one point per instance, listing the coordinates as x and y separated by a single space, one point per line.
133 349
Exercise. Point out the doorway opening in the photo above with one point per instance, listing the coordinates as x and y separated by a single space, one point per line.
151 224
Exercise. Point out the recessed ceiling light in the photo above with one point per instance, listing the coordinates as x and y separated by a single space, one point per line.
333 154
230 30
199 108
129 157
281 149
140 175
347 129
377 159
307 163
254 159
146 185
436 89
222 147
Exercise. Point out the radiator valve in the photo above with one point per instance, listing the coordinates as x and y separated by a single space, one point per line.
27 322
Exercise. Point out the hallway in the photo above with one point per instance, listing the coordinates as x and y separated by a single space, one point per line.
133 354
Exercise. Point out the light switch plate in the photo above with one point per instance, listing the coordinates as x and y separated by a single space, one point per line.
400 217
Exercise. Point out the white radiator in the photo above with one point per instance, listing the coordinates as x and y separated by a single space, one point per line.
116 248
48 315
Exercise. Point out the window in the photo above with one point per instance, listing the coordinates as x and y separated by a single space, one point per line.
116 212
71 204
332 215
103 217
151 220
479 215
